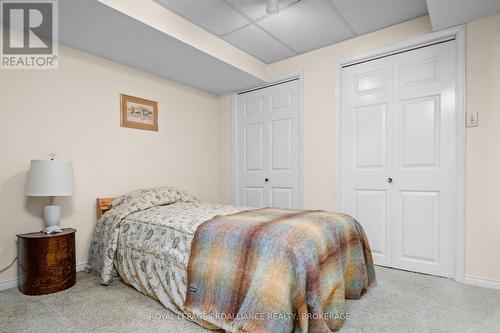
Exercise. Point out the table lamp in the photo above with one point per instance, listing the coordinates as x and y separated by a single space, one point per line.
50 178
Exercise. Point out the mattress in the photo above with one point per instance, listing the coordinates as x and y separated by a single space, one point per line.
154 245
157 241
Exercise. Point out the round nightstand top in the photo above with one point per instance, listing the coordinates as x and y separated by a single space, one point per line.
40 234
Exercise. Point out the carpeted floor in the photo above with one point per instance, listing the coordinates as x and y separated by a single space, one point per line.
401 302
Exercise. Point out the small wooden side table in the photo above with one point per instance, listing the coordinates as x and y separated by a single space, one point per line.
47 263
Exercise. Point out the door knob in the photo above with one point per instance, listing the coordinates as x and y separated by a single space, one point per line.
266 180
389 180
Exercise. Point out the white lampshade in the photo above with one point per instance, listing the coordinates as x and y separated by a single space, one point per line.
50 178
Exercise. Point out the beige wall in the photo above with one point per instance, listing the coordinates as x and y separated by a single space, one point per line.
318 68
482 161
482 218
74 112
225 149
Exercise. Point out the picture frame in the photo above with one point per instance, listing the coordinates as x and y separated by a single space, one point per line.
138 113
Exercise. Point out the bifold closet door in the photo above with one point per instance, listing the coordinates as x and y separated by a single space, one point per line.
269 141
367 152
399 120
424 124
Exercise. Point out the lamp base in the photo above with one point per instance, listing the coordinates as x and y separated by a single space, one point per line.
52 216
52 230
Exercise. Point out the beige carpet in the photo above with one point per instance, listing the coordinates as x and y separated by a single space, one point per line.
401 302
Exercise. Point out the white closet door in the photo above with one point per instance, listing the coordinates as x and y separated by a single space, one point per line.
269 141
424 125
367 152
398 158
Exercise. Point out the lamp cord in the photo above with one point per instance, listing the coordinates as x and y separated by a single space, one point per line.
11 264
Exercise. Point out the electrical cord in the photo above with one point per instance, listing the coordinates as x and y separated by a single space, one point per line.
11 264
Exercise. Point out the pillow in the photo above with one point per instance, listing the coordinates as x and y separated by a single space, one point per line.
152 197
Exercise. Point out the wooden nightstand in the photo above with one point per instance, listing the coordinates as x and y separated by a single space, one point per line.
47 263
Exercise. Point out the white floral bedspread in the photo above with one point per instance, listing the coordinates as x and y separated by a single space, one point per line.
147 237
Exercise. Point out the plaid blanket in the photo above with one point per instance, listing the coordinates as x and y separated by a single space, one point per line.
277 270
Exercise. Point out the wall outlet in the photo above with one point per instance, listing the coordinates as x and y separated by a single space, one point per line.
472 120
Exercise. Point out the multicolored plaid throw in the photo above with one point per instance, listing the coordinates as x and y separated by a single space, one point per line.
277 270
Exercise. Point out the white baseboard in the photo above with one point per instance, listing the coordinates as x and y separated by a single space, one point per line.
8 284
480 282
81 266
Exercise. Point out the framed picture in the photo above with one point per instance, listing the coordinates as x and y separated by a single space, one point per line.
138 113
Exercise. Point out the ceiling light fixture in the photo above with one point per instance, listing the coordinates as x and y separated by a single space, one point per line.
273 7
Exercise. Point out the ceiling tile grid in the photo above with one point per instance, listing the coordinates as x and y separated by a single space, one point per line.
256 41
366 16
309 25
212 15
299 26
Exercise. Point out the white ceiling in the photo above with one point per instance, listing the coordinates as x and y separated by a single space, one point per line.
103 31
449 13
299 27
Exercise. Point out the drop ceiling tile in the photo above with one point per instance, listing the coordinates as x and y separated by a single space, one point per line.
308 25
368 15
215 16
257 8
448 13
253 40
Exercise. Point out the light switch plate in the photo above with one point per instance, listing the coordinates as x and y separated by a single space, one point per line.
472 120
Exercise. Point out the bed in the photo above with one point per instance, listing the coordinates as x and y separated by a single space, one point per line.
233 268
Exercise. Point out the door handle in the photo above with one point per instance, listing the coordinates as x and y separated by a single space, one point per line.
266 180
389 180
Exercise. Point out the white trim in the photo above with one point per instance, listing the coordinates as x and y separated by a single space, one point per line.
234 148
419 41
460 157
338 200
480 282
459 213
302 137
235 133
8 284
81 267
